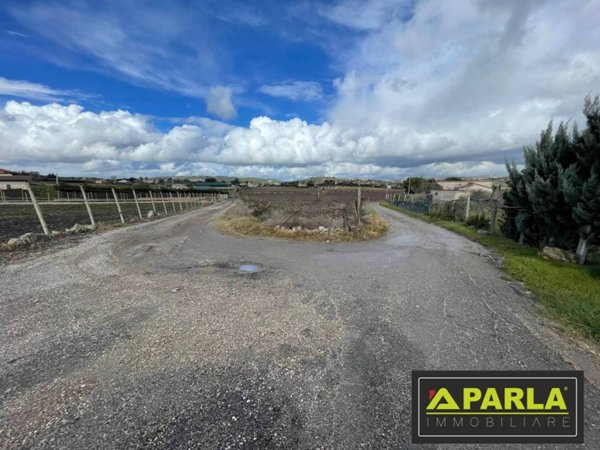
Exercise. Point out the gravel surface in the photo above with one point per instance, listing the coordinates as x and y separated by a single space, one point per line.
151 337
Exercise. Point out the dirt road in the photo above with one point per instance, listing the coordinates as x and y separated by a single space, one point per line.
151 337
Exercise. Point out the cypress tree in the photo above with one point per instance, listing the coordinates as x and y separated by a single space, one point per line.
544 171
581 180
520 221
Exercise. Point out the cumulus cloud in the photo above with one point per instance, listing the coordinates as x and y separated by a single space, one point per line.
294 90
54 137
219 102
444 88
469 78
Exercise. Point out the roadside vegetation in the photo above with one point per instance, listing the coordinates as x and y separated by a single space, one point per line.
569 293
266 220
555 199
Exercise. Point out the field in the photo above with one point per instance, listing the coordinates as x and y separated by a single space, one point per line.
306 213
308 207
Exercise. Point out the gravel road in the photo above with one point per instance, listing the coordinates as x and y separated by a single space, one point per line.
151 337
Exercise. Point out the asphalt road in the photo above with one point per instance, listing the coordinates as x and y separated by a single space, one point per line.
151 337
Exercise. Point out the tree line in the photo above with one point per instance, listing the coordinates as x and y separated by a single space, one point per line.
555 199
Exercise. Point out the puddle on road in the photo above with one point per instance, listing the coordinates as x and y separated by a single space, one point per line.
208 266
249 268
240 267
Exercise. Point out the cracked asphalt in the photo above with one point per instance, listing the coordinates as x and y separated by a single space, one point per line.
150 337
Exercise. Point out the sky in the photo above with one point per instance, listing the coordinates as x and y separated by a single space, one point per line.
289 89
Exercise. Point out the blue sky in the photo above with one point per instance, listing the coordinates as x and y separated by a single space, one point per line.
201 45
377 88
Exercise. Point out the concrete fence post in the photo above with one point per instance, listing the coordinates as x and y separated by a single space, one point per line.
152 201
180 202
137 204
87 205
172 201
468 207
359 206
38 210
494 216
118 206
164 204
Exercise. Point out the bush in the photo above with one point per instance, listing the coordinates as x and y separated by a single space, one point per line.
508 225
478 221
443 211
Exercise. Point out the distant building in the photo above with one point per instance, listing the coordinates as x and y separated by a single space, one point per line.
212 186
459 185
453 190
9 181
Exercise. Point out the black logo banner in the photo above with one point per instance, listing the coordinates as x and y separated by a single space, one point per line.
497 406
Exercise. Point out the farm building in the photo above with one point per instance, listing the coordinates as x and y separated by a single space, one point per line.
9 181
181 186
453 190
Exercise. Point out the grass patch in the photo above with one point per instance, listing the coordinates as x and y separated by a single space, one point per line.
570 293
242 221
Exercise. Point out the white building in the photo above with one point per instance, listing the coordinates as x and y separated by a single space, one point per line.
9 181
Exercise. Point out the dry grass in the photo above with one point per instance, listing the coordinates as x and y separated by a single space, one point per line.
241 221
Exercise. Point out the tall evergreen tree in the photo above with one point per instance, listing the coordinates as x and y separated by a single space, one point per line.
581 180
520 221
544 170
555 199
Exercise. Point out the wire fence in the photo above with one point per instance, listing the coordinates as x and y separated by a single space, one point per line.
480 211
23 211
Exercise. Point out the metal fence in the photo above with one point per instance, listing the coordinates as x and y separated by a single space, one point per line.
416 207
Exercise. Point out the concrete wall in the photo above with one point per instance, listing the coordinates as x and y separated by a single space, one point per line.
4 185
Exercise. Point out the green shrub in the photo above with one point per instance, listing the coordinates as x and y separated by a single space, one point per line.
479 221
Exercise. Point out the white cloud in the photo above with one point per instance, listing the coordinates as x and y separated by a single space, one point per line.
151 44
15 33
451 91
364 15
294 90
462 78
219 102
54 137
26 89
